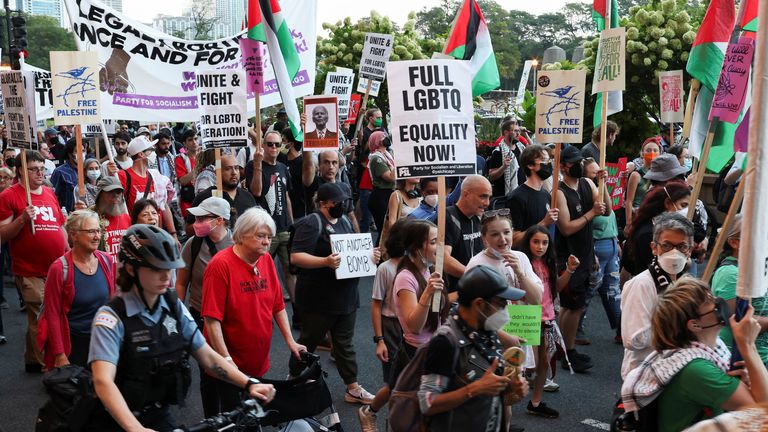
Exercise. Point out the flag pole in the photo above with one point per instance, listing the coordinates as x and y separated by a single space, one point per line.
79 151
440 259
217 164
702 165
603 114
722 235
26 186
693 93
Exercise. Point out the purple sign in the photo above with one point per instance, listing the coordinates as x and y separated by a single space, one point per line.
253 63
732 87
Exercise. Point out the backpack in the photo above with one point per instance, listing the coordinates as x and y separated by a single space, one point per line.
644 420
293 269
197 244
404 410
72 400
187 192
722 193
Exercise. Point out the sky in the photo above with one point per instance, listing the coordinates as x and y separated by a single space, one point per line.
334 10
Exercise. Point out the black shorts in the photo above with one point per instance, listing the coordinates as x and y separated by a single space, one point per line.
393 335
574 296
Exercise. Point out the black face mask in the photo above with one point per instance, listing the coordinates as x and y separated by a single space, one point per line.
10 162
722 313
414 193
545 171
336 211
576 171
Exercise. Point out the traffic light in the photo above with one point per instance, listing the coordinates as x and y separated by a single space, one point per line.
19 42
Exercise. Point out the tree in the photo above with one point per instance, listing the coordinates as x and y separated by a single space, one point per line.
344 45
435 22
43 35
202 20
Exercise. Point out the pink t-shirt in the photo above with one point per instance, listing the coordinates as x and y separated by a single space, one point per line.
547 305
406 281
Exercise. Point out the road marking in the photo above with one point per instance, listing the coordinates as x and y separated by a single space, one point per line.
596 424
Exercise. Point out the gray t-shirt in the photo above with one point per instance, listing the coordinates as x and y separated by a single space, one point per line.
382 287
195 288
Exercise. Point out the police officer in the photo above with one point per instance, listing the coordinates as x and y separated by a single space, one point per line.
142 338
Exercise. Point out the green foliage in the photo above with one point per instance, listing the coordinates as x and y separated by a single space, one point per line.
44 35
529 106
344 44
659 38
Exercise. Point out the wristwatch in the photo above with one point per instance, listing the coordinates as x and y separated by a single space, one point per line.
251 381
377 339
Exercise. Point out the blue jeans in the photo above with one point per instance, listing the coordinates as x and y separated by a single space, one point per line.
365 213
607 253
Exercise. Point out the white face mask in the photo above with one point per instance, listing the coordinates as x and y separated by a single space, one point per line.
94 174
672 262
431 200
683 212
497 320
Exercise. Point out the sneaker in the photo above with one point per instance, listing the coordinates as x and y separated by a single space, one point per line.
542 410
573 353
325 344
551 386
358 395
578 364
367 419
3 340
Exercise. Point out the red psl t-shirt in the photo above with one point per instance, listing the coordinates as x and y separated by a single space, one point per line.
115 228
181 171
138 186
245 300
33 254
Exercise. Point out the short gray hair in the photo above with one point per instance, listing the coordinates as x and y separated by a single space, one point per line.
77 219
248 222
672 222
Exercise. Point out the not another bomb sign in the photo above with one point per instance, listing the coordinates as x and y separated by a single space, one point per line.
560 106
433 131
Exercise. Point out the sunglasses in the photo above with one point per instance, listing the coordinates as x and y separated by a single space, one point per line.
272 144
493 213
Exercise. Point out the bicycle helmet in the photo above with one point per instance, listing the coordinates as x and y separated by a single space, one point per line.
149 246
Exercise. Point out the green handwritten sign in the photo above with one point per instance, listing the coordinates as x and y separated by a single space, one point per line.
525 322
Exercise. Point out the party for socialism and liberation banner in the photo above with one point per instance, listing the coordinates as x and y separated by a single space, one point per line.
148 75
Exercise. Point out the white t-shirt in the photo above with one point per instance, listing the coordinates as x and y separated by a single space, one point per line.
638 299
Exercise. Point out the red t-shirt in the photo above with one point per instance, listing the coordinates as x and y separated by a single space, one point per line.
138 185
33 254
365 179
113 233
245 300
181 171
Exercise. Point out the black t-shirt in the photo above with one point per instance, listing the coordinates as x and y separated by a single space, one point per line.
580 243
462 233
527 206
242 202
310 192
590 150
296 191
275 185
318 290
496 160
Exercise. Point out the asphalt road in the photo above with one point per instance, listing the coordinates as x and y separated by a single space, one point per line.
584 400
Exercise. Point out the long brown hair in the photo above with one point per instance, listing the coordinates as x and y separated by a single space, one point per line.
675 307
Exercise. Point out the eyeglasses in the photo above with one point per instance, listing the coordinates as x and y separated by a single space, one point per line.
493 213
516 130
262 237
92 232
272 144
666 247
4 179
36 170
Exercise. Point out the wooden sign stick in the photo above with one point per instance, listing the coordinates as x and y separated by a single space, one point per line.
440 259
26 186
79 155
555 176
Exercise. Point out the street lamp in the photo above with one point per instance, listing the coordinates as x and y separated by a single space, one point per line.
535 65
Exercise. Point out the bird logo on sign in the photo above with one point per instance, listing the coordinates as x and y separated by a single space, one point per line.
565 104
81 84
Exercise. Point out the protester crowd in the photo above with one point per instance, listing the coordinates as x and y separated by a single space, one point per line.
93 265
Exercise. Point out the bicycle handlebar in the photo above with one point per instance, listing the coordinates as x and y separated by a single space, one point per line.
249 408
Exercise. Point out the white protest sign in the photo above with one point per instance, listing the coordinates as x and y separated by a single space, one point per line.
150 75
222 99
42 91
75 82
362 84
95 129
523 83
16 106
339 84
671 96
560 106
610 70
375 56
433 130
356 253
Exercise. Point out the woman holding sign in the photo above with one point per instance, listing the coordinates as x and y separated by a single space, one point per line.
381 165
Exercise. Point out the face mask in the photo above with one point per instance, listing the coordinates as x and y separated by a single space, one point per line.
688 163
94 174
545 171
378 122
497 320
722 313
10 162
424 261
648 157
672 262
202 228
682 212
336 211
431 200
576 171
413 193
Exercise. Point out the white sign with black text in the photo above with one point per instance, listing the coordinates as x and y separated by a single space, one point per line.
221 96
362 85
375 56
339 84
356 252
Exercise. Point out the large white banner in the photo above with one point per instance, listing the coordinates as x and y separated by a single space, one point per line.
433 128
148 75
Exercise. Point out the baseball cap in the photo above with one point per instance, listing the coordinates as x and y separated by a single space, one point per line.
51 131
665 167
332 192
142 130
213 205
139 144
485 282
107 184
570 154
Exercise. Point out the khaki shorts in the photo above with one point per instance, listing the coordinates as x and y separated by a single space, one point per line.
279 248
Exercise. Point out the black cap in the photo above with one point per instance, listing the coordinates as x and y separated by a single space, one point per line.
485 282
332 192
571 154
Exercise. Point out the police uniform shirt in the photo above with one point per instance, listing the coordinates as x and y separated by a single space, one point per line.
107 331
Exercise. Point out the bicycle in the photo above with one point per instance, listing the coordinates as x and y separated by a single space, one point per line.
247 416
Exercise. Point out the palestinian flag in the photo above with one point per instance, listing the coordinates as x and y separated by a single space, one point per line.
470 39
598 13
266 24
615 98
749 19
704 64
